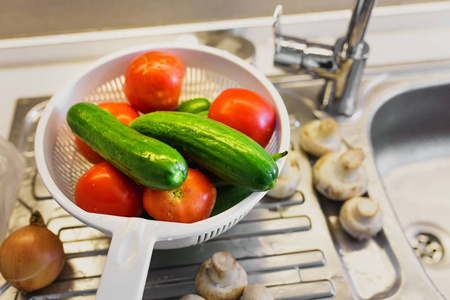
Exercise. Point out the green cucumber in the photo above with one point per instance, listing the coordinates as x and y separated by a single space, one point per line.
203 113
222 150
228 195
194 106
147 161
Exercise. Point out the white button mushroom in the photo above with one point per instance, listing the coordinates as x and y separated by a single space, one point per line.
289 178
319 137
192 297
361 217
340 176
221 277
256 291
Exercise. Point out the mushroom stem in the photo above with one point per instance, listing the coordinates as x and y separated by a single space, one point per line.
327 128
340 176
220 277
361 217
366 209
349 162
352 158
223 270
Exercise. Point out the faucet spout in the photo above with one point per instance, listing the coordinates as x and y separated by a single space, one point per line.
357 27
341 65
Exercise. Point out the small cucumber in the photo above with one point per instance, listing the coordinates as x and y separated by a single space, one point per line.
228 195
148 161
222 150
194 106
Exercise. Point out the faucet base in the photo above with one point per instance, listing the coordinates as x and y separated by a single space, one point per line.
341 87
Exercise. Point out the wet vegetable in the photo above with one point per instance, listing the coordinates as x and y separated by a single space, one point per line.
246 111
361 217
105 190
340 176
195 105
319 137
124 112
220 149
153 81
147 161
221 277
191 202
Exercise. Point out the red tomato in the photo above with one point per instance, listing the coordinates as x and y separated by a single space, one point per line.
87 152
193 201
245 111
105 190
124 112
153 81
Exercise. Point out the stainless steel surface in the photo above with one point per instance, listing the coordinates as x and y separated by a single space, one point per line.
410 136
341 65
417 128
357 27
295 246
403 124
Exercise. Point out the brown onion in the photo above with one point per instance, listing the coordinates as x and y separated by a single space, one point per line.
32 256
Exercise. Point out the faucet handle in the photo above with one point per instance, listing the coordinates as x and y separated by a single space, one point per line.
276 23
288 50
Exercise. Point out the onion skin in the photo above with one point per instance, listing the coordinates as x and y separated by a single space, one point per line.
31 257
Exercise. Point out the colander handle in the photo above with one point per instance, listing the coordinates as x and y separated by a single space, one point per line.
128 260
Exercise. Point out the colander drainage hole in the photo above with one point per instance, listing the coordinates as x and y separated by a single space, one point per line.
427 247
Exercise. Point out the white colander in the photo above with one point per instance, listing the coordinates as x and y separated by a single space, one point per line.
208 72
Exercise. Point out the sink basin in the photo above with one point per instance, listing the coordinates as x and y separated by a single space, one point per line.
402 124
410 138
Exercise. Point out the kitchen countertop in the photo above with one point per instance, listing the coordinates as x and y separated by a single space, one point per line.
39 66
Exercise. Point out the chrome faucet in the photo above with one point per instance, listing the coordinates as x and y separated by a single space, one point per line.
341 65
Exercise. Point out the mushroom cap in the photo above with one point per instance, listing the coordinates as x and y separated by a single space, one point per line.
220 277
361 217
256 291
289 178
319 137
192 297
340 176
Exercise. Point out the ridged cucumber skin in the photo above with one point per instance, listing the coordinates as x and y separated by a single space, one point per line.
216 147
146 160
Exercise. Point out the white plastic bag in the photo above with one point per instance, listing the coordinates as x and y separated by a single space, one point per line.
12 166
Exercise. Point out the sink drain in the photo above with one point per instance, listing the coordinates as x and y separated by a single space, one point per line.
427 247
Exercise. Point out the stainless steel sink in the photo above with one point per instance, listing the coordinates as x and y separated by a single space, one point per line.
403 126
410 137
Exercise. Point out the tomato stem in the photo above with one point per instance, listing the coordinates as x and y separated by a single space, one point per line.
277 156
176 194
